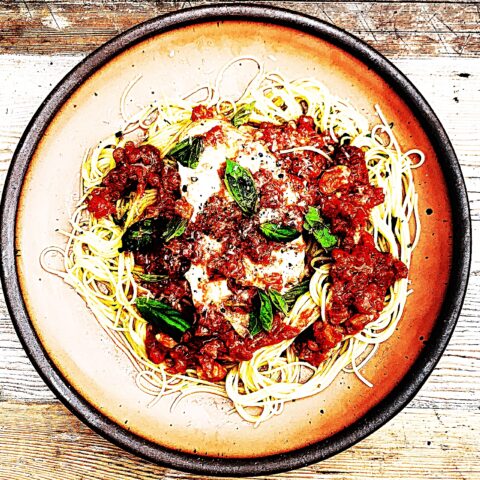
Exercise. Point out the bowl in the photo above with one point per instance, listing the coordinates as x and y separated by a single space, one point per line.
175 54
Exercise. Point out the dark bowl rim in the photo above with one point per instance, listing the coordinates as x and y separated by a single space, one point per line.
394 402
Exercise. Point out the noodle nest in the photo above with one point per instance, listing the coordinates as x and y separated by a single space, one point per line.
106 279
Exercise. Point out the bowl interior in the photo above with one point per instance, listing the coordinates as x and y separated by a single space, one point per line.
171 65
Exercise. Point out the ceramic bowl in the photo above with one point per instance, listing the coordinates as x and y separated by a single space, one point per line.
175 54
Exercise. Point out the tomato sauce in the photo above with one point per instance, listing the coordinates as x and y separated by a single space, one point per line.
306 164
201 112
214 136
360 274
137 169
336 182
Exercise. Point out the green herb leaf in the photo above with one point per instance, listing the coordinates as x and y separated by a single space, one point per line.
243 114
279 233
278 301
163 317
188 151
266 311
240 185
319 229
254 325
296 291
139 237
325 238
143 235
174 228
151 278
313 217
120 221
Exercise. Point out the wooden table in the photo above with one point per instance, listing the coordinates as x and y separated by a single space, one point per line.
437 45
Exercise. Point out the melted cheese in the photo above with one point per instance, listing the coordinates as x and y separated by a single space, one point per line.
202 182
239 322
255 156
199 184
206 292
289 261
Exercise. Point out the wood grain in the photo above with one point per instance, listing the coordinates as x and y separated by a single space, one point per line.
437 44
49 443
397 29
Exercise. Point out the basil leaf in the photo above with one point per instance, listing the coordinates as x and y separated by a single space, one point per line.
143 235
312 217
187 152
263 319
139 237
150 277
240 185
279 233
254 325
243 114
296 291
163 317
120 221
325 238
266 311
319 229
174 228
278 301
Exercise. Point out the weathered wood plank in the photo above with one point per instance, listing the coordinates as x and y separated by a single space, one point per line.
39 441
395 28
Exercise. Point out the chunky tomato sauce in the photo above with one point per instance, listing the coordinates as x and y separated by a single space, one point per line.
137 169
336 182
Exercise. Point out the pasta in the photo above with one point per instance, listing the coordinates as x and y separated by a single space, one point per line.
107 277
